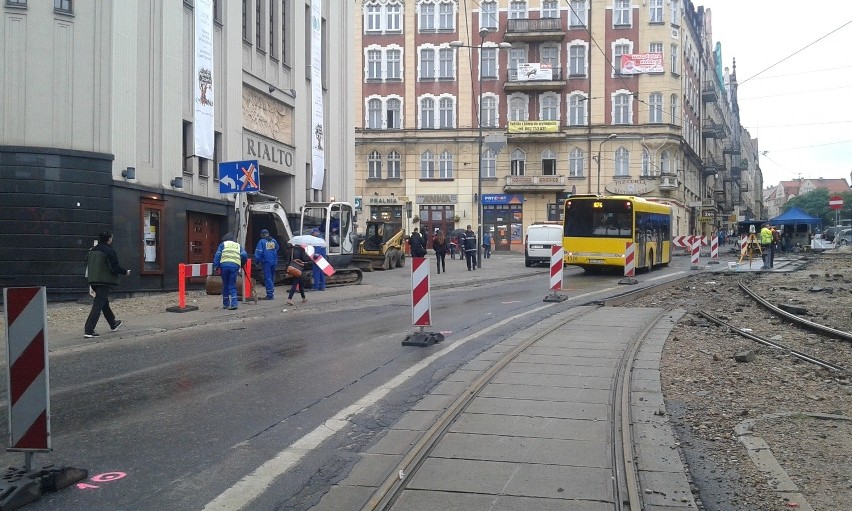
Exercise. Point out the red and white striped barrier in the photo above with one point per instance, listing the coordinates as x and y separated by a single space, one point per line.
29 395
557 260
696 247
743 245
681 241
421 305
630 259
319 260
714 247
186 271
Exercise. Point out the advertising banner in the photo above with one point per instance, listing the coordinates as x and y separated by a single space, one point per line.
529 71
203 119
639 63
533 126
318 138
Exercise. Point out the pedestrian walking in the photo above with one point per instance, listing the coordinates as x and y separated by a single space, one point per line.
417 244
229 257
102 272
470 248
295 264
316 271
486 244
460 243
439 245
266 254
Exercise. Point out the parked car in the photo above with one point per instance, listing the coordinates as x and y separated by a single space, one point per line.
538 242
844 237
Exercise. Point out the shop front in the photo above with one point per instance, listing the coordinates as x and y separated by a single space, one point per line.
503 217
387 209
437 211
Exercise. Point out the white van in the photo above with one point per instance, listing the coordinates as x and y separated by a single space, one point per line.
538 242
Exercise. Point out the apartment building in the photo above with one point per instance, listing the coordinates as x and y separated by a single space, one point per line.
117 114
514 105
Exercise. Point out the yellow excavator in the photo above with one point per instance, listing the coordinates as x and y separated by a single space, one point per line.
379 248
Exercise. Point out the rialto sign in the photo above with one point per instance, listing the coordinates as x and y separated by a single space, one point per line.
267 152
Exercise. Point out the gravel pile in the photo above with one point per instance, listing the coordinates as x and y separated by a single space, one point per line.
708 392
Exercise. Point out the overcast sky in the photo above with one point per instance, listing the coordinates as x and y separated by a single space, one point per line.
800 110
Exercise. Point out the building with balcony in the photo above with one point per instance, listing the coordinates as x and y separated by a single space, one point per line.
593 96
101 126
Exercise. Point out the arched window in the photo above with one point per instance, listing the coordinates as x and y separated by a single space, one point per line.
622 162
518 109
577 162
427 165
447 111
489 163
374 116
489 111
675 116
427 113
655 108
548 162
576 110
646 163
375 165
394 165
549 108
446 165
519 162
394 114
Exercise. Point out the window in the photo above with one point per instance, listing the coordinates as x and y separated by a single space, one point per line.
576 110
372 17
64 6
675 60
284 34
16 3
394 165
447 111
394 65
394 114
445 165
374 164
489 63
427 113
655 48
676 12
374 114
517 56
655 108
245 21
655 11
519 163
577 55
518 109
550 8
646 163
675 117
446 16
488 16
621 12
550 55
665 163
258 26
393 17
152 236
621 106
374 64
379 18
427 17
549 108
622 162
578 13
489 163
272 38
427 165
427 64
617 51
577 160
489 111
447 67
548 163
517 9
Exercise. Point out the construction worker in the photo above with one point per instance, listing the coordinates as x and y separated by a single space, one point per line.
767 246
266 254
229 257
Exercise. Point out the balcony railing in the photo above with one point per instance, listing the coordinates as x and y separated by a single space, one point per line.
534 25
535 182
708 92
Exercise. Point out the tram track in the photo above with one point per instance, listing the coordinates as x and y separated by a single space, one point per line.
624 476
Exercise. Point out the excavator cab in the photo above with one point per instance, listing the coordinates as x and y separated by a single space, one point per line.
336 224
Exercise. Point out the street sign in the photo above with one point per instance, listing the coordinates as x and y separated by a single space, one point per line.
835 202
239 176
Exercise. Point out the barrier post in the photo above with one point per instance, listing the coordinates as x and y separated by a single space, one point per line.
629 264
182 286
421 305
695 241
185 271
557 263
248 289
714 249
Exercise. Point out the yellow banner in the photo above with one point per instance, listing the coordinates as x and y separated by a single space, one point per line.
533 126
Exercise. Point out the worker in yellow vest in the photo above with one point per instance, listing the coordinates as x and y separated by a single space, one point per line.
767 247
229 257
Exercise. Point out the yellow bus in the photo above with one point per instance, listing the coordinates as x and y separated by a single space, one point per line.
596 230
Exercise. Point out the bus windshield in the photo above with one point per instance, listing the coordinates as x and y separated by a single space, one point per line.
602 218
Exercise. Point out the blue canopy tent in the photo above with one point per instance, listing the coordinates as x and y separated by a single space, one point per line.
795 227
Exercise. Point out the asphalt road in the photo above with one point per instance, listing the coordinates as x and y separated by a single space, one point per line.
174 420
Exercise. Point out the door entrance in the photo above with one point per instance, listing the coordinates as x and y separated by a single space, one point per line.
202 238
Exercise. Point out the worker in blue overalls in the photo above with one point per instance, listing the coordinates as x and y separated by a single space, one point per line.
266 254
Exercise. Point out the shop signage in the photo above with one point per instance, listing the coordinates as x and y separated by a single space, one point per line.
438 198
502 198
381 200
642 63
628 187
268 153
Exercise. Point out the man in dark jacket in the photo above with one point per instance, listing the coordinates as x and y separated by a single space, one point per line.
470 248
102 271
417 243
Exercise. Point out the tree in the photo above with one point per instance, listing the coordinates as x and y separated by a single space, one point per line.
815 203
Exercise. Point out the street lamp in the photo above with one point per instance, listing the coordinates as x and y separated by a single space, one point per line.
483 32
598 158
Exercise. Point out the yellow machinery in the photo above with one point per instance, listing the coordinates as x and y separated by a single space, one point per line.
380 248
